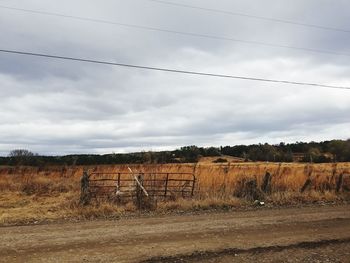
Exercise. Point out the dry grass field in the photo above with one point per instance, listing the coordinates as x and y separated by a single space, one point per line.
33 194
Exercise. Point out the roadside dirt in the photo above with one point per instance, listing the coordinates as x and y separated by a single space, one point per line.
311 234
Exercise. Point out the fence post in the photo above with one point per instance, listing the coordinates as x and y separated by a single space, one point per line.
118 189
119 180
339 183
84 192
306 185
166 186
266 186
139 191
193 185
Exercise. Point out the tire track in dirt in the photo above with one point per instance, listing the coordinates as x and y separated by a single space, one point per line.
205 255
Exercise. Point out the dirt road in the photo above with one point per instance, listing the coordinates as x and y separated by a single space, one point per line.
267 235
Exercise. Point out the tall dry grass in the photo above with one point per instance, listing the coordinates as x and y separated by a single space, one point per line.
222 180
30 194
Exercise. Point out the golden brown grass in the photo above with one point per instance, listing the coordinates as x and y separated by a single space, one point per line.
201 204
30 194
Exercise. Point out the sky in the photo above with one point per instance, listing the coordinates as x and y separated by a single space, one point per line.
55 107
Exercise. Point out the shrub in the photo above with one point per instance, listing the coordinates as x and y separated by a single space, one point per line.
220 160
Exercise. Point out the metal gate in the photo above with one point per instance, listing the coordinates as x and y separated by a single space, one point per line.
122 186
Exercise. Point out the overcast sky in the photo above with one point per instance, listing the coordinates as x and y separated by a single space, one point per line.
61 107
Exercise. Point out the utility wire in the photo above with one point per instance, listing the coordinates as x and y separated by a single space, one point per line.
169 69
252 16
176 32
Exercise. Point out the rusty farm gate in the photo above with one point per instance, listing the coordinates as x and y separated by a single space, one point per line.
123 187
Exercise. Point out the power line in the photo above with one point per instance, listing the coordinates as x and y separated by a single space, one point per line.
252 16
170 70
177 32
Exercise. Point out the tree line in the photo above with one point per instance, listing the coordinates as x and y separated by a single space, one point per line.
317 152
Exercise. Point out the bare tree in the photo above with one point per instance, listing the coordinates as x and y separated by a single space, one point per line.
21 156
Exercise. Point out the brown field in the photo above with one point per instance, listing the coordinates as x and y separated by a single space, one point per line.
36 194
301 226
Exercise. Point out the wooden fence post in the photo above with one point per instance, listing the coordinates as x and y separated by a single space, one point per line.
193 185
266 186
139 190
306 185
339 183
166 186
84 191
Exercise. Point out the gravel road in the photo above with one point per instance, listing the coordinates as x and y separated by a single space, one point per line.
309 234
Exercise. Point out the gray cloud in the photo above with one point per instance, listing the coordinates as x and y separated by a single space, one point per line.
57 107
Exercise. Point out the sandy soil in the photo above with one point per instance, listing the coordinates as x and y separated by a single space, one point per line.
309 234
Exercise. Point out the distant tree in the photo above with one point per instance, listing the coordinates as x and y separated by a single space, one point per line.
20 153
347 152
339 149
315 155
263 152
212 151
190 153
21 157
